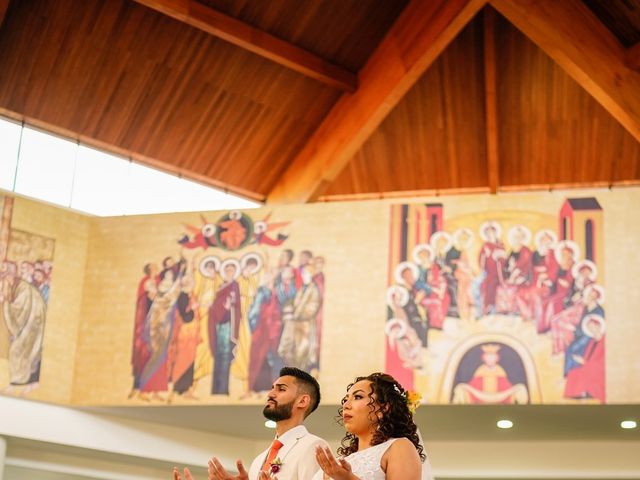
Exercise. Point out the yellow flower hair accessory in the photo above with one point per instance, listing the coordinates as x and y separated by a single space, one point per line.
413 399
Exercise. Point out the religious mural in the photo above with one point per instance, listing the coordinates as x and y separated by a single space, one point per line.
26 265
222 314
498 307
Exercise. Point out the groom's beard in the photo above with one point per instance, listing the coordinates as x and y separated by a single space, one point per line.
277 412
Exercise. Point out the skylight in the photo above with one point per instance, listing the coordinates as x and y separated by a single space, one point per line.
62 172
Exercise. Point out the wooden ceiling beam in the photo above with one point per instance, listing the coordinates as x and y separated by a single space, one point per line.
420 34
633 57
576 40
257 41
407 194
490 98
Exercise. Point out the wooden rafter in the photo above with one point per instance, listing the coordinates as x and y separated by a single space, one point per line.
575 39
257 41
419 35
490 100
433 192
633 57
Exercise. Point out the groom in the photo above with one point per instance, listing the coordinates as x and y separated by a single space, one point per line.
293 397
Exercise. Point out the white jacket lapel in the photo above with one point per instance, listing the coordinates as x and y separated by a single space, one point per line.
289 446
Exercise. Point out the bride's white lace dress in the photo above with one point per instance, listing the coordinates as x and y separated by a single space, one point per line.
365 464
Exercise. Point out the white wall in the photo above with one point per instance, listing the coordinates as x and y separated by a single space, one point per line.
47 442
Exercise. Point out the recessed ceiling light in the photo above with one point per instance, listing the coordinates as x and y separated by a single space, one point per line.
628 424
270 424
504 424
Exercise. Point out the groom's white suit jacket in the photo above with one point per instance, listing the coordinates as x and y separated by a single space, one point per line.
297 454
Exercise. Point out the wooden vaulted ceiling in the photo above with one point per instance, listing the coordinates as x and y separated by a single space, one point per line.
303 100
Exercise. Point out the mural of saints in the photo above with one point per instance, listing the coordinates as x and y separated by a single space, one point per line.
498 307
25 278
223 315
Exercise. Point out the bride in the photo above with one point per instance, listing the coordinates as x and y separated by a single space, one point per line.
382 441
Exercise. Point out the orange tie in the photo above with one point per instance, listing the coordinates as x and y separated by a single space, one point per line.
273 453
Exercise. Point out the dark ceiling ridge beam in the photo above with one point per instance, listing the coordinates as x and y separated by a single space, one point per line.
633 57
257 41
581 45
4 6
420 34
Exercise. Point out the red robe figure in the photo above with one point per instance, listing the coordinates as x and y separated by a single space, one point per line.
261 229
147 288
265 322
203 237
491 260
566 254
224 324
404 347
158 331
437 302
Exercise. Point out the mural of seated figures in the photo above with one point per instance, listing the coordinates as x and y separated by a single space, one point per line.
530 284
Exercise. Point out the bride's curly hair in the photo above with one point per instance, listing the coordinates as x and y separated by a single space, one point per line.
396 421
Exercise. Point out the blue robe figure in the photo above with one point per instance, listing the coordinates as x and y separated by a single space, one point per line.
580 342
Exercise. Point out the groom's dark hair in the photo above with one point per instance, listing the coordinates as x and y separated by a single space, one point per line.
306 383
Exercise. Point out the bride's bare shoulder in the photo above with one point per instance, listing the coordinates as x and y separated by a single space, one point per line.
402 461
402 450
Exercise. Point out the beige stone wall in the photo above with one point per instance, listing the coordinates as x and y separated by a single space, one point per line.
91 314
354 239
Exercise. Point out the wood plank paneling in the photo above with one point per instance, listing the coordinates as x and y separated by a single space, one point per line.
435 137
133 78
551 130
140 84
574 37
257 41
345 32
415 41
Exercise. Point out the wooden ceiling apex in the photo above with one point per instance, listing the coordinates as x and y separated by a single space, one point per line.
421 33
257 41
577 41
